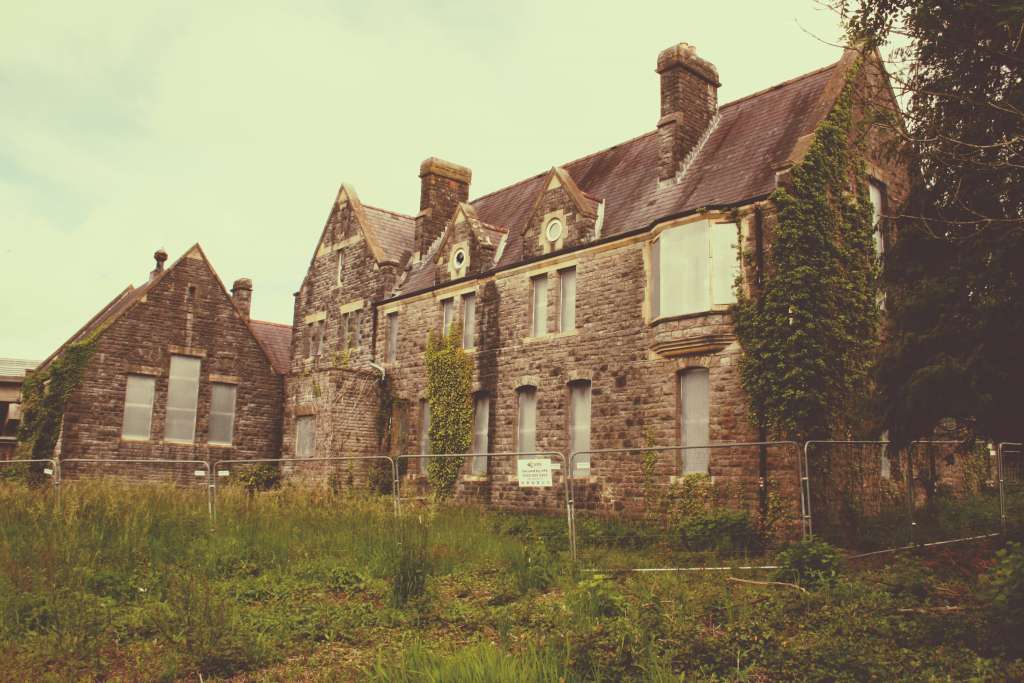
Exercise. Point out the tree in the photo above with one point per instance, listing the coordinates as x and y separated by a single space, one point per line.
955 276
810 336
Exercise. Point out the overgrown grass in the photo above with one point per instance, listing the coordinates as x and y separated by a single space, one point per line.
132 583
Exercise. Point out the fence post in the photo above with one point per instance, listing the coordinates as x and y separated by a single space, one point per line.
804 472
1002 490
910 493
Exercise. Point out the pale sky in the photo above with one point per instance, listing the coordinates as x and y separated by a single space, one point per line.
129 126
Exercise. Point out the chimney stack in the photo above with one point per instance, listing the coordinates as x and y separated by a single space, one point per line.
689 104
159 256
241 293
442 186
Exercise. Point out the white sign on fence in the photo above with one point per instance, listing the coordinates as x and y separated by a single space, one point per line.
533 471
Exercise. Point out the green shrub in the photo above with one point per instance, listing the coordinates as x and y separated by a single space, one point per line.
532 567
594 598
721 530
1003 591
204 627
265 476
811 563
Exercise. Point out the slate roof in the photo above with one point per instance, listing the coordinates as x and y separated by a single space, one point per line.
277 341
752 138
394 231
269 341
16 367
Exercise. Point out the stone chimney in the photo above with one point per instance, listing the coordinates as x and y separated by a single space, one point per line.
442 186
159 256
689 105
241 293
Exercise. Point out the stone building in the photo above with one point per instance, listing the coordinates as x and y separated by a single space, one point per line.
178 371
12 374
594 297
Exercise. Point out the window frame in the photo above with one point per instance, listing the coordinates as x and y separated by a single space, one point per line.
447 314
567 309
574 428
530 391
539 305
151 381
691 456
305 420
214 387
481 437
469 320
194 393
391 343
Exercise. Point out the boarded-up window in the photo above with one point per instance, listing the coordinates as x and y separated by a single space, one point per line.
305 436
526 432
138 407
579 426
222 413
567 300
725 262
447 314
182 397
481 422
692 267
539 289
392 348
694 419
468 321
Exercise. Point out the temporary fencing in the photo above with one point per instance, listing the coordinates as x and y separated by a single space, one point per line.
192 475
667 504
868 497
535 481
339 474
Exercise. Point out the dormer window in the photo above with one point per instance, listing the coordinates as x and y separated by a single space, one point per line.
553 230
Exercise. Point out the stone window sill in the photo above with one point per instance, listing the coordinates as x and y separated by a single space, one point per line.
214 444
717 308
135 439
551 336
474 477
180 442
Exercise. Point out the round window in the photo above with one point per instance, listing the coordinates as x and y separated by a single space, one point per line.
554 230
459 259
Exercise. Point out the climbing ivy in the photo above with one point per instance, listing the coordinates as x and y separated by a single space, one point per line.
810 336
44 395
449 383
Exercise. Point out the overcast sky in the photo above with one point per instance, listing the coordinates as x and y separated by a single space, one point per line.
129 126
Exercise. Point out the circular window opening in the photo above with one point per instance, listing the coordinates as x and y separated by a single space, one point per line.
554 230
459 258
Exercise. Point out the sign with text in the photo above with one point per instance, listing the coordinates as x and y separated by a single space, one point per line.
533 471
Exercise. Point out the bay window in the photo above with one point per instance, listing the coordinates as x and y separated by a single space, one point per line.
693 268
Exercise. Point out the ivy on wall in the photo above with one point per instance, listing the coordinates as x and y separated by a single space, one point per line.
44 395
811 335
449 384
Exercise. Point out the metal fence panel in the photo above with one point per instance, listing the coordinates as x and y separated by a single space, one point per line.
1011 486
339 474
867 497
517 481
646 505
187 474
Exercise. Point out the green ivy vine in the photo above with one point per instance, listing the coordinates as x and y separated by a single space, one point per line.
449 384
44 395
810 335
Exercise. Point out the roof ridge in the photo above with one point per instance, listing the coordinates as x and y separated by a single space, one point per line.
393 213
781 85
568 163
